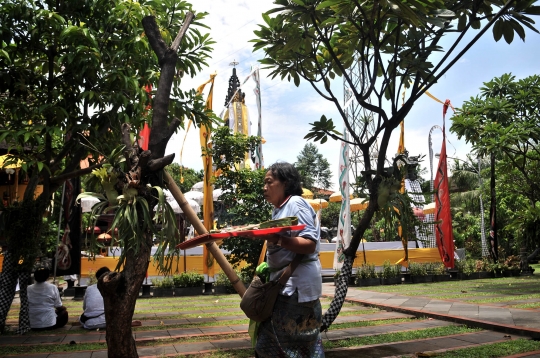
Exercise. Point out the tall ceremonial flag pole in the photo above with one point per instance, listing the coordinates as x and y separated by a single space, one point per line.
443 217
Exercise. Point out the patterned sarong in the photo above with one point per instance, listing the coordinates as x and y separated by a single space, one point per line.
8 282
293 330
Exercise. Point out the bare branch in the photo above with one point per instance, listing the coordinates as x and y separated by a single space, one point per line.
76 173
157 164
187 21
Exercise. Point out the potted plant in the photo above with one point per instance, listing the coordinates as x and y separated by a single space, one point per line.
439 272
483 269
497 268
468 267
163 287
222 285
390 274
513 263
419 273
367 276
189 283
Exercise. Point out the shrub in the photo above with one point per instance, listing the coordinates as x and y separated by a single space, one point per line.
165 282
483 265
438 268
367 270
513 262
389 270
417 269
188 279
469 266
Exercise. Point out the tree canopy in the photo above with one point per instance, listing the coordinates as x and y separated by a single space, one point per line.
379 48
72 72
392 46
314 169
503 120
240 186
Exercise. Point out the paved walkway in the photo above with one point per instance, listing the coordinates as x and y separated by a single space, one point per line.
511 320
497 321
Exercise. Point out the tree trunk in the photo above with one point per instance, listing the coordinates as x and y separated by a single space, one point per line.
120 291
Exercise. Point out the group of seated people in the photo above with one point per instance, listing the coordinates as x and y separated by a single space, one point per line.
46 310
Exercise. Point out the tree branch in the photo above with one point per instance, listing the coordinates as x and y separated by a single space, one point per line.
187 21
154 37
157 164
76 173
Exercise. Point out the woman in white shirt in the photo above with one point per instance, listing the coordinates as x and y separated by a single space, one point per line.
93 316
293 328
44 304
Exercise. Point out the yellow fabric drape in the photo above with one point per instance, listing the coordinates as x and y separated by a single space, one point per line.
401 149
208 201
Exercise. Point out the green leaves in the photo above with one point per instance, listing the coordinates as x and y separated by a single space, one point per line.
321 129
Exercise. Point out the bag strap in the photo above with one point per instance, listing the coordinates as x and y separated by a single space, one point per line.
290 269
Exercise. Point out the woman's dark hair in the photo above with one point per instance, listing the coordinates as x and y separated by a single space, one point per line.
42 274
287 174
102 271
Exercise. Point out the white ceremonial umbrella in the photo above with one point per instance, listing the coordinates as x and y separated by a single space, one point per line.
216 193
176 208
195 195
87 203
198 186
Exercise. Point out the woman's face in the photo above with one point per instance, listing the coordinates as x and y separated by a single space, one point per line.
274 190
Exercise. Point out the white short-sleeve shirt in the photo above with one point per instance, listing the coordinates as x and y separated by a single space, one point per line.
94 307
43 297
307 277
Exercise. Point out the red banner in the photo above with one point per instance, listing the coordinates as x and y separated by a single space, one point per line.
144 134
443 216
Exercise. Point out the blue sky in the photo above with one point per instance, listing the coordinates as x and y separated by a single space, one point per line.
287 110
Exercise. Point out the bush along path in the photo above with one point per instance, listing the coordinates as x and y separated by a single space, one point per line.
214 326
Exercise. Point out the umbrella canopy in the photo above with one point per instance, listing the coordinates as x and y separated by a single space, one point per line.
87 203
196 207
358 204
216 193
197 196
174 204
307 194
9 162
336 197
429 208
198 186
317 204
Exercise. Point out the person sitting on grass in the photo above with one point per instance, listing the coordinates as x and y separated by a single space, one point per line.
93 316
44 304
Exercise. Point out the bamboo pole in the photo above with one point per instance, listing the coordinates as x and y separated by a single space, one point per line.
199 227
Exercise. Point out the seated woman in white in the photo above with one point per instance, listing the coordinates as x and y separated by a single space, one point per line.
44 304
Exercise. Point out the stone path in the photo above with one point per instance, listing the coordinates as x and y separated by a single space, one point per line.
511 320
499 324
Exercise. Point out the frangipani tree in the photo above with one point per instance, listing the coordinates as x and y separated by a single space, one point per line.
396 44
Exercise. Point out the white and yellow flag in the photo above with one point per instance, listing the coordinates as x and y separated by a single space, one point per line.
344 223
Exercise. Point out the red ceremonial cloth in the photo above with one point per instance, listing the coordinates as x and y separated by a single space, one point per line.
443 216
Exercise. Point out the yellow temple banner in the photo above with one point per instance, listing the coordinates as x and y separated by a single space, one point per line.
208 201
